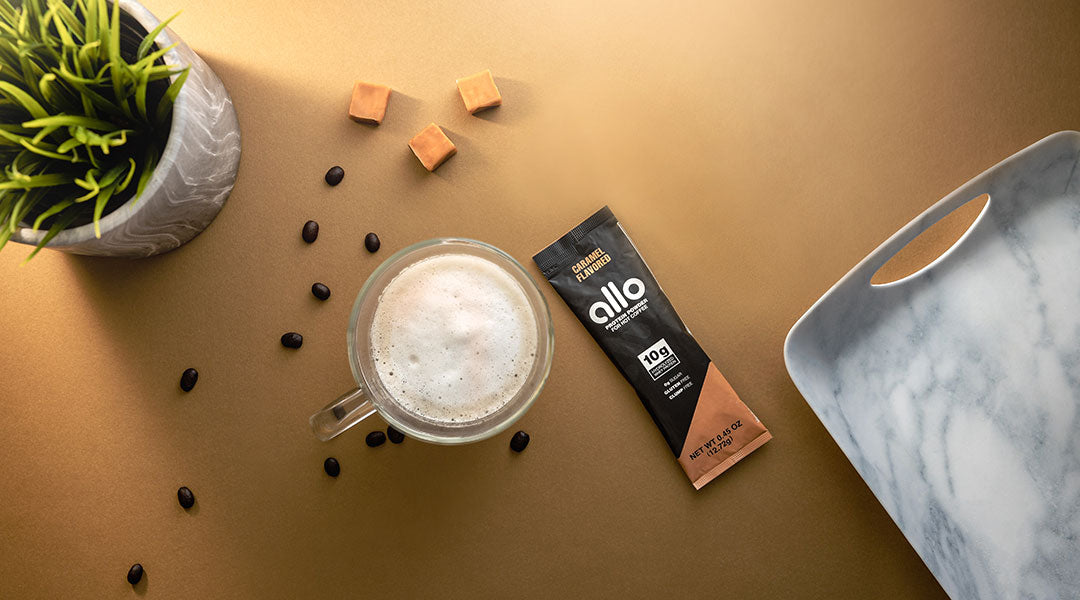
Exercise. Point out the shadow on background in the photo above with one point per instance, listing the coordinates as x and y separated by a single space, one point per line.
144 584
518 102
220 303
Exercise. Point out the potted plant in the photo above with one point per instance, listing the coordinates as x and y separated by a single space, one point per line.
116 139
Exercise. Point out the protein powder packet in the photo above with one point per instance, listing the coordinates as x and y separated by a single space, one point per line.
600 274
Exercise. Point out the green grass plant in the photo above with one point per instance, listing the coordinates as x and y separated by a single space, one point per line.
85 109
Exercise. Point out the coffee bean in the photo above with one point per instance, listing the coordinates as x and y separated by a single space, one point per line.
320 291
292 340
375 438
372 243
135 573
185 497
331 467
335 175
310 233
339 412
395 436
188 379
519 441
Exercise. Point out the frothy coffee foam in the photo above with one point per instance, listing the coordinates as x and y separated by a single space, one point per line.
453 337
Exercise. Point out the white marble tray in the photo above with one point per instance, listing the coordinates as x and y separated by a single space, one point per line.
955 391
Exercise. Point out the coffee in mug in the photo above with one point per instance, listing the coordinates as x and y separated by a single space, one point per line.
450 341
453 338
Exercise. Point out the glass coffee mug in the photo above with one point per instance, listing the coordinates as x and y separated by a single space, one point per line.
371 394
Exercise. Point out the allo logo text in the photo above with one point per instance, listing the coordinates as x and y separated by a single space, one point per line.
615 299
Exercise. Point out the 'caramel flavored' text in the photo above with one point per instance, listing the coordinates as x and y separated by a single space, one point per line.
590 264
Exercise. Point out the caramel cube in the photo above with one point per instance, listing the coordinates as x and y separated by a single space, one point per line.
479 91
368 104
432 147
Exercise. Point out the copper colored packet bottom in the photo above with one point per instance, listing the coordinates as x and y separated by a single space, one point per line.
602 277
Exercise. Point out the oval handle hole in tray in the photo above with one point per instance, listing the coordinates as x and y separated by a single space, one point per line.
931 244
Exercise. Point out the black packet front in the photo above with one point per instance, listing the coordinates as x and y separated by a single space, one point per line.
601 276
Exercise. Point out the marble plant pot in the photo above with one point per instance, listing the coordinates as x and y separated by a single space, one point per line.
190 183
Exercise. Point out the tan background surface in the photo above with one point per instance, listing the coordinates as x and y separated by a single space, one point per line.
755 150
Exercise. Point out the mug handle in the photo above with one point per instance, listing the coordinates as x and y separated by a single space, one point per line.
341 414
